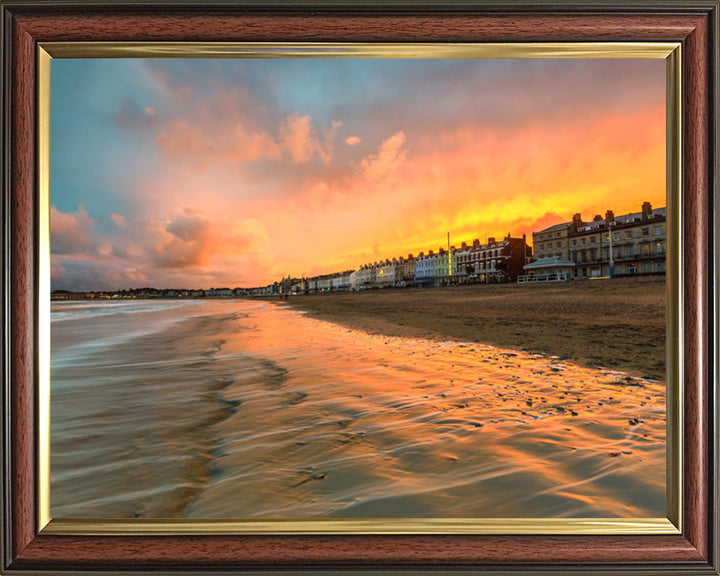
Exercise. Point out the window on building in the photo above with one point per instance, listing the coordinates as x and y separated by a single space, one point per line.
592 240
628 234
646 249
606 253
618 253
658 230
646 267
616 236
584 257
574 242
628 251
659 248
582 241
646 231
557 244
660 267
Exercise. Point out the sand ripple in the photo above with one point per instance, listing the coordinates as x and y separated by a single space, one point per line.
262 412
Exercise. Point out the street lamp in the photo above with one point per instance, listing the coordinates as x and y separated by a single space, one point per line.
610 235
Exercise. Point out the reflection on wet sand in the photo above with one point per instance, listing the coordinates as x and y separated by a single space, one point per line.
251 410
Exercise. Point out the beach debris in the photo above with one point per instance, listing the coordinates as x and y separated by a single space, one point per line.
613 454
633 421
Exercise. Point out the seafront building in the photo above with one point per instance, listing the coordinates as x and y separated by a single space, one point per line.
496 261
492 262
624 245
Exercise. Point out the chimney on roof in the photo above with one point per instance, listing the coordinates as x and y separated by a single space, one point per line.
646 210
597 218
410 257
577 221
609 216
476 243
430 252
491 240
463 245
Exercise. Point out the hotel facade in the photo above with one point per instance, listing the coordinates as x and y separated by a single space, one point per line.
631 244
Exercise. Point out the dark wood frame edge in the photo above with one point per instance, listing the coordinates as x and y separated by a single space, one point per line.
696 551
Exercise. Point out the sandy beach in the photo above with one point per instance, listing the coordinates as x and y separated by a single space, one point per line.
617 324
250 409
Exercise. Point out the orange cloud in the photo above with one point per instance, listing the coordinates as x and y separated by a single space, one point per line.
119 220
297 137
302 142
70 232
190 142
194 240
389 156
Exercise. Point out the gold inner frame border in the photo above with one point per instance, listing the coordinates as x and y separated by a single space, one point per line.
669 51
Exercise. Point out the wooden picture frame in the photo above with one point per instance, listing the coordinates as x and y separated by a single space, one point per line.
693 24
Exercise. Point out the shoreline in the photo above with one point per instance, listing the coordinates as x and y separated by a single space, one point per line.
617 324
182 385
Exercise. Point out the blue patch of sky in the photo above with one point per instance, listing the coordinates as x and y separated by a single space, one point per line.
94 159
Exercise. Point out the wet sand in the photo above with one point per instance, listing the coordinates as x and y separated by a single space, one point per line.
254 410
618 323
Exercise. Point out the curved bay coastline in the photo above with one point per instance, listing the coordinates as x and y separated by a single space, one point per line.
240 409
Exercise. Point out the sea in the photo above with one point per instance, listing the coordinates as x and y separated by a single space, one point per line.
244 409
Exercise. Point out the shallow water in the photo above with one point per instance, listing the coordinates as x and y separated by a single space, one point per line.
242 409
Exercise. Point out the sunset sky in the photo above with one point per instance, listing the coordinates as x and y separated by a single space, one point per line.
208 173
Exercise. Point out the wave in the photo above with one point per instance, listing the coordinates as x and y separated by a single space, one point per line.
60 311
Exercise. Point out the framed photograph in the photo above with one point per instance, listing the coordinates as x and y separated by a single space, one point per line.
350 287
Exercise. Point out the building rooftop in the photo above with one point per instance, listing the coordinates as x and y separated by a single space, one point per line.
602 223
561 226
548 263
